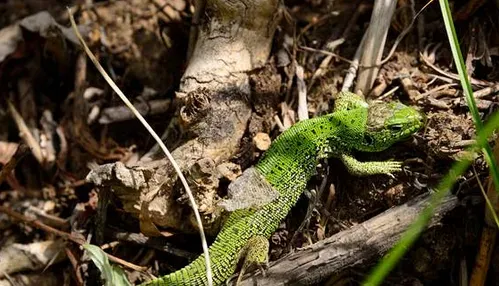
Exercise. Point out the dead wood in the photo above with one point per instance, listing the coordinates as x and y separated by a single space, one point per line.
122 113
33 256
234 39
353 247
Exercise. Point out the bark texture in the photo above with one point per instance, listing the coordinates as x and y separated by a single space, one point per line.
350 248
234 39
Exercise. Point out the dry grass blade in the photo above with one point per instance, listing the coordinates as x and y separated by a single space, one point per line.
22 150
26 134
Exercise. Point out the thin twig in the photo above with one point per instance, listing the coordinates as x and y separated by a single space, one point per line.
302 93
51 220
159 243
40 225
388 93
432 91
127 102
399 38
453 76
74 263
403 33
327 53
25 133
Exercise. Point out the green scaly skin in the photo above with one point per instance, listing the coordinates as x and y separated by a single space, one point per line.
290 163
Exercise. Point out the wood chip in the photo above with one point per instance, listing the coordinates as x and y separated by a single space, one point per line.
262 141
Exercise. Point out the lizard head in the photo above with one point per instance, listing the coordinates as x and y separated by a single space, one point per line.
388 123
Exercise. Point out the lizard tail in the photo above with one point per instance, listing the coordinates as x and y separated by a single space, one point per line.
195 273
192 274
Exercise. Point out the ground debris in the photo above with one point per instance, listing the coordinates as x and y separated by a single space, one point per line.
91 173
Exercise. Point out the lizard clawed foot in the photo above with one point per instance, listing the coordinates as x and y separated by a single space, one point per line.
358 168
263 268
392 167
255 253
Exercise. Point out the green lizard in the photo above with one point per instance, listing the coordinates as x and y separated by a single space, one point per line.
288 165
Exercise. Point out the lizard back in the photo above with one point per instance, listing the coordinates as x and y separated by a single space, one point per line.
288 165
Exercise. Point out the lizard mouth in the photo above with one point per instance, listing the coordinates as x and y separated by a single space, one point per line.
412 123
419 120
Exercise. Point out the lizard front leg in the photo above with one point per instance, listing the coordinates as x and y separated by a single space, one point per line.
358 168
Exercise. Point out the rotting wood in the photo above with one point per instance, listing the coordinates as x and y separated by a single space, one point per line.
214 110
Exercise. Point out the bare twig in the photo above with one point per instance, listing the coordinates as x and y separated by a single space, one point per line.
302 93
327 53
453 76
122 113
25 133
49 219
354 66
279 123
159 243
403 33
432 91
76 267
38 224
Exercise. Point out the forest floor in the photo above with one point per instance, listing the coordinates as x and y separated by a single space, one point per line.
72 122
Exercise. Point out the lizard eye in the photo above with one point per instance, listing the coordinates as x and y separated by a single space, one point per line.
396 127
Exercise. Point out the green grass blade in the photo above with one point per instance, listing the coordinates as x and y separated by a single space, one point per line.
389 261
465 83
487 200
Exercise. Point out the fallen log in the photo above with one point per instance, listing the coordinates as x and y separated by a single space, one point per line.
353 247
